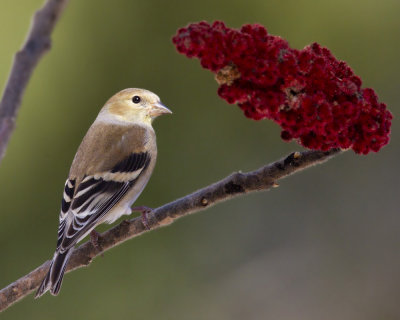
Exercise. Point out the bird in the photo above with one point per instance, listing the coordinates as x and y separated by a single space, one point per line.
109 171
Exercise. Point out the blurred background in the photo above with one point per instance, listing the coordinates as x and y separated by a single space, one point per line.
324 245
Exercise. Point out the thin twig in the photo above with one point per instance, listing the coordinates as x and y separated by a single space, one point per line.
36 45
232 186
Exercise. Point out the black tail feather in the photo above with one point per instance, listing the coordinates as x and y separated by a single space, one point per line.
53 279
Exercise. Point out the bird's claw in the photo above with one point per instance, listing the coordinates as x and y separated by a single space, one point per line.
144 211
94 239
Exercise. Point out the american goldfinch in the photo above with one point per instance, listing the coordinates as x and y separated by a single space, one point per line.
110 169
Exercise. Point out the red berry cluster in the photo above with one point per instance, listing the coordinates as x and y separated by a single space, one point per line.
315 98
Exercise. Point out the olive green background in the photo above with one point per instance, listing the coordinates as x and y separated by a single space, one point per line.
324 245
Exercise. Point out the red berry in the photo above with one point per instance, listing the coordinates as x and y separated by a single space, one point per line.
314 97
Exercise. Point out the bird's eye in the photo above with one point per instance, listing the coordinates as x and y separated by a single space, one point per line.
136 99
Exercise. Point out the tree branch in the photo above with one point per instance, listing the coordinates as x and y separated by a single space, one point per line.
36 45
232 186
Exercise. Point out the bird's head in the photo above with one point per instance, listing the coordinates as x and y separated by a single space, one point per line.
134 105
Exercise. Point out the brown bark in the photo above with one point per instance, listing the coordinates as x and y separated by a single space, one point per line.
36 45
232 186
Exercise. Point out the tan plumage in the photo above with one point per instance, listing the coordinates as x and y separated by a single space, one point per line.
110 169
115 142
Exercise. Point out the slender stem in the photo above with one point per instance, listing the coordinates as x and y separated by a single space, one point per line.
232 186
36 45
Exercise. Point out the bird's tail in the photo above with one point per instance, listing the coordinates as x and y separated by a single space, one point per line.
53 279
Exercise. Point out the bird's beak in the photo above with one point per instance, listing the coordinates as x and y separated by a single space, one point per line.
159 109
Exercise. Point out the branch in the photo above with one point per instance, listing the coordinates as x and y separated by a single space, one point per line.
232 186
36 45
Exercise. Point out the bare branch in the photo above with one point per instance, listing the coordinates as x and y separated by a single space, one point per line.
232 186
36 45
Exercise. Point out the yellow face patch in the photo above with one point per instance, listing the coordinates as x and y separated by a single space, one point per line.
122 106
126 112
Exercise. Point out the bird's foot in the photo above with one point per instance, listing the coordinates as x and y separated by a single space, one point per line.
125 222
94 239
144 212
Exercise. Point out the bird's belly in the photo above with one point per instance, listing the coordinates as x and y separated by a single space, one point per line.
124 206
